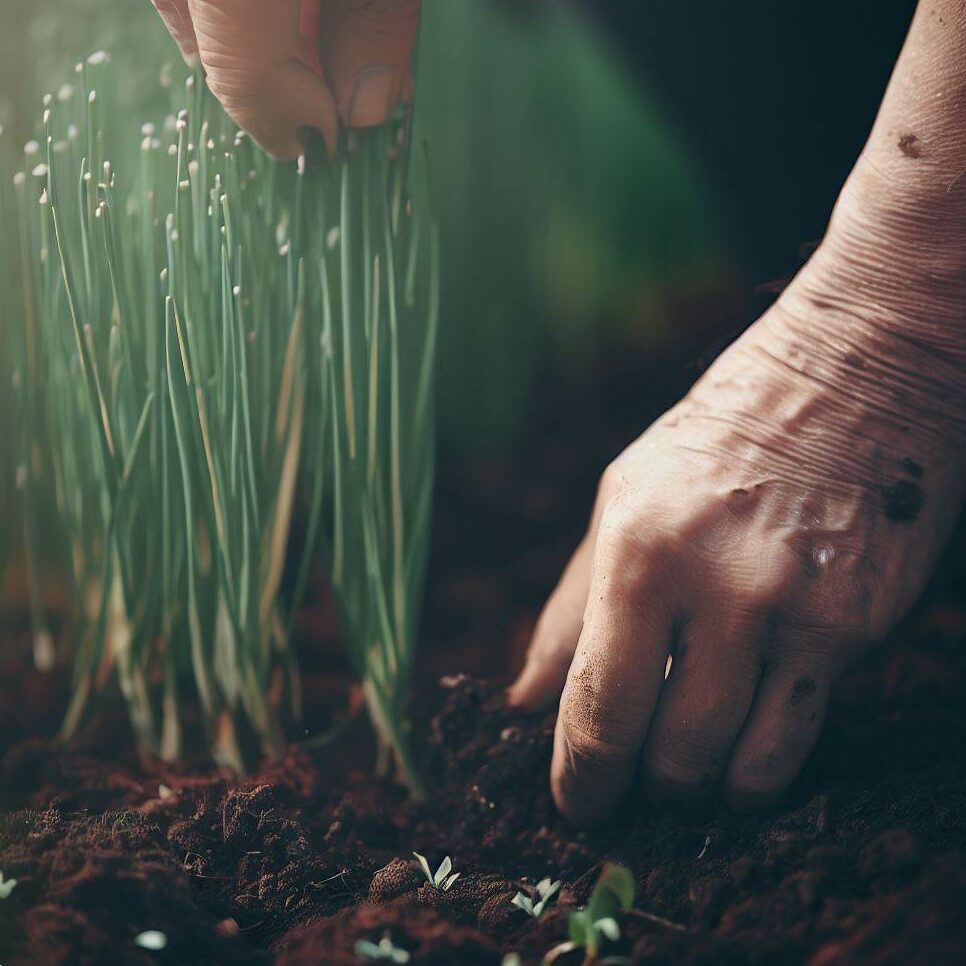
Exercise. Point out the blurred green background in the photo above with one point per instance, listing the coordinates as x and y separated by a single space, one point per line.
573 223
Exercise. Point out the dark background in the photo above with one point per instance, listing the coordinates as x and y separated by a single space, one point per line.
774 97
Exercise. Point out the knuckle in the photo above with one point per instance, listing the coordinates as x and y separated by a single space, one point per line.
595 729
680 764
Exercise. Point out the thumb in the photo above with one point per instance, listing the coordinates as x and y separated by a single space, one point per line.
555 639
249 52
366 52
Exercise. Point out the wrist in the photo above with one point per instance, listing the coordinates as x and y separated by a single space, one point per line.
885 342
895 255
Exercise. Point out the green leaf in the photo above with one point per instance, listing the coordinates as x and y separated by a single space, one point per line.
6 886
608 927
424 865
445 867
523 902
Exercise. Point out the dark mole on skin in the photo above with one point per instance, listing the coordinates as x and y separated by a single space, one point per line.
909 146
913 468
802 688
902 501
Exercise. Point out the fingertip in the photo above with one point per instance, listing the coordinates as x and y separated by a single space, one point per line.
587 781
372 97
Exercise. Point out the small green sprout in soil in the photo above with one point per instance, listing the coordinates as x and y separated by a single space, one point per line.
152 939
546 889
590 928
442 879
382 951
6 886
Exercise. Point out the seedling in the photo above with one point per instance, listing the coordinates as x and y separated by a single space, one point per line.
6 886
384 950
442 879
152 939
591 927
546 890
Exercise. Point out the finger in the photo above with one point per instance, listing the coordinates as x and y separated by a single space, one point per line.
555 638
248 49
366 50
614 680
785 720
702 707
558 630
177 19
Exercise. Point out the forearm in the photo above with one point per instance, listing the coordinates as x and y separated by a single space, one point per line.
898 234
878 315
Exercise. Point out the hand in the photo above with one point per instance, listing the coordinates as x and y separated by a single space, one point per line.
761 533
281 65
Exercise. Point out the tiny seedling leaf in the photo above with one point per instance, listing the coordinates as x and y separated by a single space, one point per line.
523 902
424 865
445 867
152 939
6 886
448 884
384 951
609 928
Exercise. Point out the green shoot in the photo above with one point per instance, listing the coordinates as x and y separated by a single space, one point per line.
590 928
546 890
443 878
151 939
382 951
6 886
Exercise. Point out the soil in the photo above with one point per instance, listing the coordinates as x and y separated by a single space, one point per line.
863 862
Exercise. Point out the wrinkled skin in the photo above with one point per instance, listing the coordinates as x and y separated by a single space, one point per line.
279 66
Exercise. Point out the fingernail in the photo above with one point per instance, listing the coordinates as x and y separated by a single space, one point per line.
372 97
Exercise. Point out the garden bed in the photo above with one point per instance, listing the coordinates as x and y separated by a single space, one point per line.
863 862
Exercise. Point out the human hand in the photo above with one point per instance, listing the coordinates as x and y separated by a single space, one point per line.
284 65
763 532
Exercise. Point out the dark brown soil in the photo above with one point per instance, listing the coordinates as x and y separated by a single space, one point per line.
863 863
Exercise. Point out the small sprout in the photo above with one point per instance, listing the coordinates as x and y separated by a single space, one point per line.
152 939
511 959
384 950
546 889
65 93
442 879
589 928
6 886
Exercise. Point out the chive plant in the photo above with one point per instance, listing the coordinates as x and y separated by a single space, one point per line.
205 332
380 287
